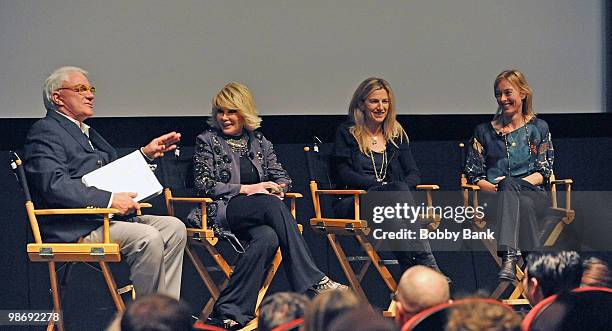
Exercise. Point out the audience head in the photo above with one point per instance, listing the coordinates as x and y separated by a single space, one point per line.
68 91
596 273
479 315
281 308
326 306
156 313
234 99
581 309
584 310
373 105
419 288
522 92
362 319
550 273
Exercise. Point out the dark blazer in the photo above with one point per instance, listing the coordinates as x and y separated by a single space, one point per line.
348 173
57 155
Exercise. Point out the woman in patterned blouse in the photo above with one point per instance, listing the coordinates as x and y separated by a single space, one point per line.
236 166
510 158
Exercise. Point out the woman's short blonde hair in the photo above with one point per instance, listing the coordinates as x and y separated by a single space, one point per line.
236 96
517 79
392 129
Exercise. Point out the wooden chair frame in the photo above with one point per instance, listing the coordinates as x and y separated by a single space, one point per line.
470 192
358 229
51 253
206 238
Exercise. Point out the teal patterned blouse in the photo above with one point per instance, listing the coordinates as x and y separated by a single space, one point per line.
519 153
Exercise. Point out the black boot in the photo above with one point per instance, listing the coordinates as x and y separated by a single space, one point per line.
508 268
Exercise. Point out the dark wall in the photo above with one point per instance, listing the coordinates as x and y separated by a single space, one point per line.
608 55
582 148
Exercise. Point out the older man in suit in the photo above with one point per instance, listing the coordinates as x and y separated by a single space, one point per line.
60 149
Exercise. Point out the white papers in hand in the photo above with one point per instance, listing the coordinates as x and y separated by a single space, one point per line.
130 173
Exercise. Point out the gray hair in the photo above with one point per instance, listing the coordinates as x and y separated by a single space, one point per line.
54 82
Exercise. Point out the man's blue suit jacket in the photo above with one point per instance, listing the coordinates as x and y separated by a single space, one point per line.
57 155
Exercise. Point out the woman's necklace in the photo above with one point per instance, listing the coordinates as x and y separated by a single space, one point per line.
238 145
374 136
380 176
514 145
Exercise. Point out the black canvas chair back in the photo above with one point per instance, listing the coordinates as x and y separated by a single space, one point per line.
176 172
321 170
17 167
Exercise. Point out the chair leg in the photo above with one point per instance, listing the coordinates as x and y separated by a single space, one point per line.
383 271
56 298
215 290
554 235
221 262
212 287
112 287
366 265
208 307
268 280
500 289
57 307
201 269
517 291
346 267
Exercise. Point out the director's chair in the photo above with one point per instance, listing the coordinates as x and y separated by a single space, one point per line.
177 172
52 253
562 216
319 169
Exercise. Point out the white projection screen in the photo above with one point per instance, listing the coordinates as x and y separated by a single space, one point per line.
303 57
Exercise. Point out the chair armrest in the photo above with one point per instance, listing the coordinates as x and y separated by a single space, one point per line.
83 211
293 195
562 181
190 200
427 187
76 211
340 192
470 187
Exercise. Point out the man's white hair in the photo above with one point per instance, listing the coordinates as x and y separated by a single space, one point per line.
54 82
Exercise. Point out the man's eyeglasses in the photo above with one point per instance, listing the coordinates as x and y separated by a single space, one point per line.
80 88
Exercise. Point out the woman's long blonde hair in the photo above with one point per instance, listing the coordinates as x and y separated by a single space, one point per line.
392 129
517 79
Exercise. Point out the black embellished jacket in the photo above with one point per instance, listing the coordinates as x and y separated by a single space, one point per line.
217 171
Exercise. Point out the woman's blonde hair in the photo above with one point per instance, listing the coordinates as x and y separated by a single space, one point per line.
517 79
392 129
236 96
326 306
